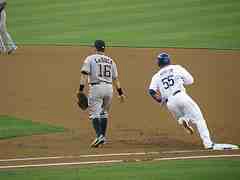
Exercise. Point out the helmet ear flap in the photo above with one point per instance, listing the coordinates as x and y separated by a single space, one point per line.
158 61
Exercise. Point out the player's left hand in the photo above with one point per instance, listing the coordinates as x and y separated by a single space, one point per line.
82 100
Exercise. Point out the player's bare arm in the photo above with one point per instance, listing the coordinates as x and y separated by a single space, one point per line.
117 85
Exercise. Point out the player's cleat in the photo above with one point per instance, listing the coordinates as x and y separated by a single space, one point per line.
209 147
187 127
98 141
12 50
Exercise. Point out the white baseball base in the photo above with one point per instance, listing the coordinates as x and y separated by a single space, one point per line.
224 146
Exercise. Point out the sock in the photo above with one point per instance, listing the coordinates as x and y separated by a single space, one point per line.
97 126
103 123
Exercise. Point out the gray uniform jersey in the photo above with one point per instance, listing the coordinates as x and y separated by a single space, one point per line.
101 71
6 42
100 68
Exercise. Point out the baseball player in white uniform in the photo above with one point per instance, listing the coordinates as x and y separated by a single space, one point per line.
167 88
6 43
101 72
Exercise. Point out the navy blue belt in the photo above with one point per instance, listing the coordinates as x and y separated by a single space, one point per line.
178 91
97 83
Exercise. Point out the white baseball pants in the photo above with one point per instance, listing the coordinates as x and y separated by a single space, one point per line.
100 99
6 40
182 105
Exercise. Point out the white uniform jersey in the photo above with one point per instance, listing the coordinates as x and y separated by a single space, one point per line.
100 68
170 79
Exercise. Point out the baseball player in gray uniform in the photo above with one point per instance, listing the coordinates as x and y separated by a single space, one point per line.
6 43
101 72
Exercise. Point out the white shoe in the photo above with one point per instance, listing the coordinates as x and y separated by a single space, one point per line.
223 147
187 127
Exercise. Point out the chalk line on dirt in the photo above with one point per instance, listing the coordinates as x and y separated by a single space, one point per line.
60 164
197 157
194 151
80 156
116 161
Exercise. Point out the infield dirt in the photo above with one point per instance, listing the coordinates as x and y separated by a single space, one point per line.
40 83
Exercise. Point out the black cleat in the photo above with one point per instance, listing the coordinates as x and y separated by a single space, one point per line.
98 141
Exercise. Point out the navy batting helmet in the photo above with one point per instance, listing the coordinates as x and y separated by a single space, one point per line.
163 59
99 44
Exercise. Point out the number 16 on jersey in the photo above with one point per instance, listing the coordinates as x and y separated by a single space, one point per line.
105 70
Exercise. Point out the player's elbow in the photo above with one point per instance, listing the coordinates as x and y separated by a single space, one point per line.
151 92
154 95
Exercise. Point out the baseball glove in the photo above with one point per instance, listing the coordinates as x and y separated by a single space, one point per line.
82 101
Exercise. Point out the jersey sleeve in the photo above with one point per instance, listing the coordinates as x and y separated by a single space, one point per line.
153 85
114 71
86 66
185 75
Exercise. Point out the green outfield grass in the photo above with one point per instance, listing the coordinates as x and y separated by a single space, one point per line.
11 127
221 169
134 23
